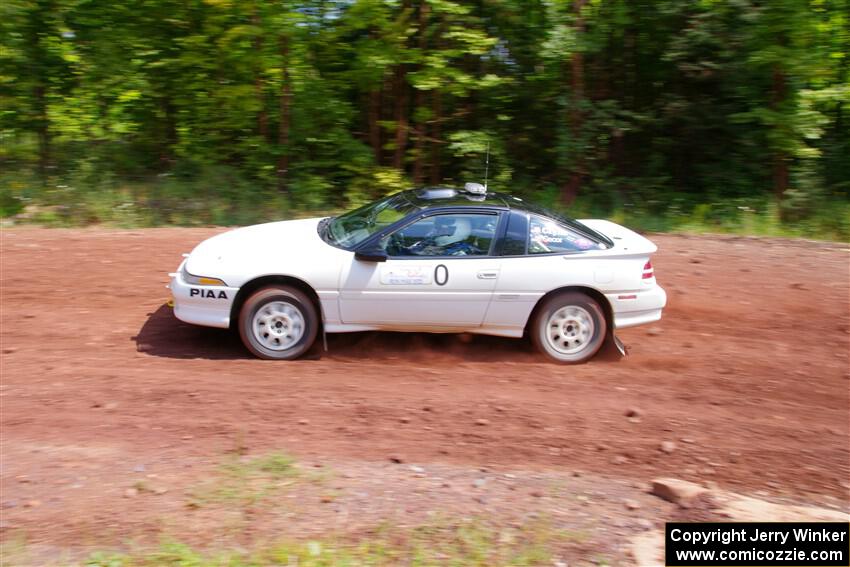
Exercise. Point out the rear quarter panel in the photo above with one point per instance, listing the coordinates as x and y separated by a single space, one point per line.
524 280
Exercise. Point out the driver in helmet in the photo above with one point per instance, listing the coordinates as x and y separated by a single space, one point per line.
447 238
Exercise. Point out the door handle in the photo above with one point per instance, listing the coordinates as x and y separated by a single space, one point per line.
488 275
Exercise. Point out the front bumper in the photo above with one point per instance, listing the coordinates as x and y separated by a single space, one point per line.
637 307
207 305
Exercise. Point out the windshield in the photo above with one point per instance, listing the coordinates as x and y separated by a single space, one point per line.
352 228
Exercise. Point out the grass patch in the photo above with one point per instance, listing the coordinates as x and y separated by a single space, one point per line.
466 543
246 482
223 197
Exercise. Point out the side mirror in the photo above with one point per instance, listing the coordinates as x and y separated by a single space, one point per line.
371 254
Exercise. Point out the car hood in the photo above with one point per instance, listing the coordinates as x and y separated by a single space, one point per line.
246 250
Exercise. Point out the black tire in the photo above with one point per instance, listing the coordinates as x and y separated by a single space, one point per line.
574 338
283 314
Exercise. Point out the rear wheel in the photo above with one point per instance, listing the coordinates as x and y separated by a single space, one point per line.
569 327
278 323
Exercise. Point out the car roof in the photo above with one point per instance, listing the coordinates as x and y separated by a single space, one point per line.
432 197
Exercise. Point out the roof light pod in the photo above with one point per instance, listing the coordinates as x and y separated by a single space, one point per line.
475 188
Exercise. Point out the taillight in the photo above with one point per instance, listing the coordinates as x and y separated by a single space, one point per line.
647 270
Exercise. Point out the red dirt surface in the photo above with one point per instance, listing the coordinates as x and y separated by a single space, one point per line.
747 374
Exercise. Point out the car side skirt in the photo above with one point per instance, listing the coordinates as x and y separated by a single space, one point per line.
514 332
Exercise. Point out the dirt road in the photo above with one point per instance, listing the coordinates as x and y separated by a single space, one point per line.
747 375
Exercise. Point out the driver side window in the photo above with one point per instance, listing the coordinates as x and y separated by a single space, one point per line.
451 234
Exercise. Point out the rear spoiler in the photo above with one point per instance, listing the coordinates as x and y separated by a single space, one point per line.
621 238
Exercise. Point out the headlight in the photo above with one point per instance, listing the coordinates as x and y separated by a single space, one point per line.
200 280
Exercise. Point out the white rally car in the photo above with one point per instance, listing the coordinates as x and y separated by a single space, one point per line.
429 260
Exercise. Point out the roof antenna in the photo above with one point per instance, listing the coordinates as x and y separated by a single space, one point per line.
480 191
487 165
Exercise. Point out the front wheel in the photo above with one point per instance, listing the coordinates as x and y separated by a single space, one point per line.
569 327
278 323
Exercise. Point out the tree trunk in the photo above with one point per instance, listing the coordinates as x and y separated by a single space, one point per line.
437 100
285 117
374 126
259 83
37 60
171 137
419 147
780 160
421 126
437 114
43 130
400 88
571 189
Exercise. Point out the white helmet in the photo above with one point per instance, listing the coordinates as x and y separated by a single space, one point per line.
462 230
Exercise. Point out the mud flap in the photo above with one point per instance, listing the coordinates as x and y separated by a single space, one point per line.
619 344
324 334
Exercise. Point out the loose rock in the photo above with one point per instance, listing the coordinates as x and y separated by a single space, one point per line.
676 491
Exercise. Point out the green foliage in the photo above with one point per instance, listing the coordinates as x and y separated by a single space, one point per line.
467 543
375 183
246 481
224 112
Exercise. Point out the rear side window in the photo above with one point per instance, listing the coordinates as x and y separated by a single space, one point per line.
546 236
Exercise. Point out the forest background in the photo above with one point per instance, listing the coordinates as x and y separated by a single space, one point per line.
703 115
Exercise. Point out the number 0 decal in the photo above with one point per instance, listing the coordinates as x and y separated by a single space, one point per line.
441 275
